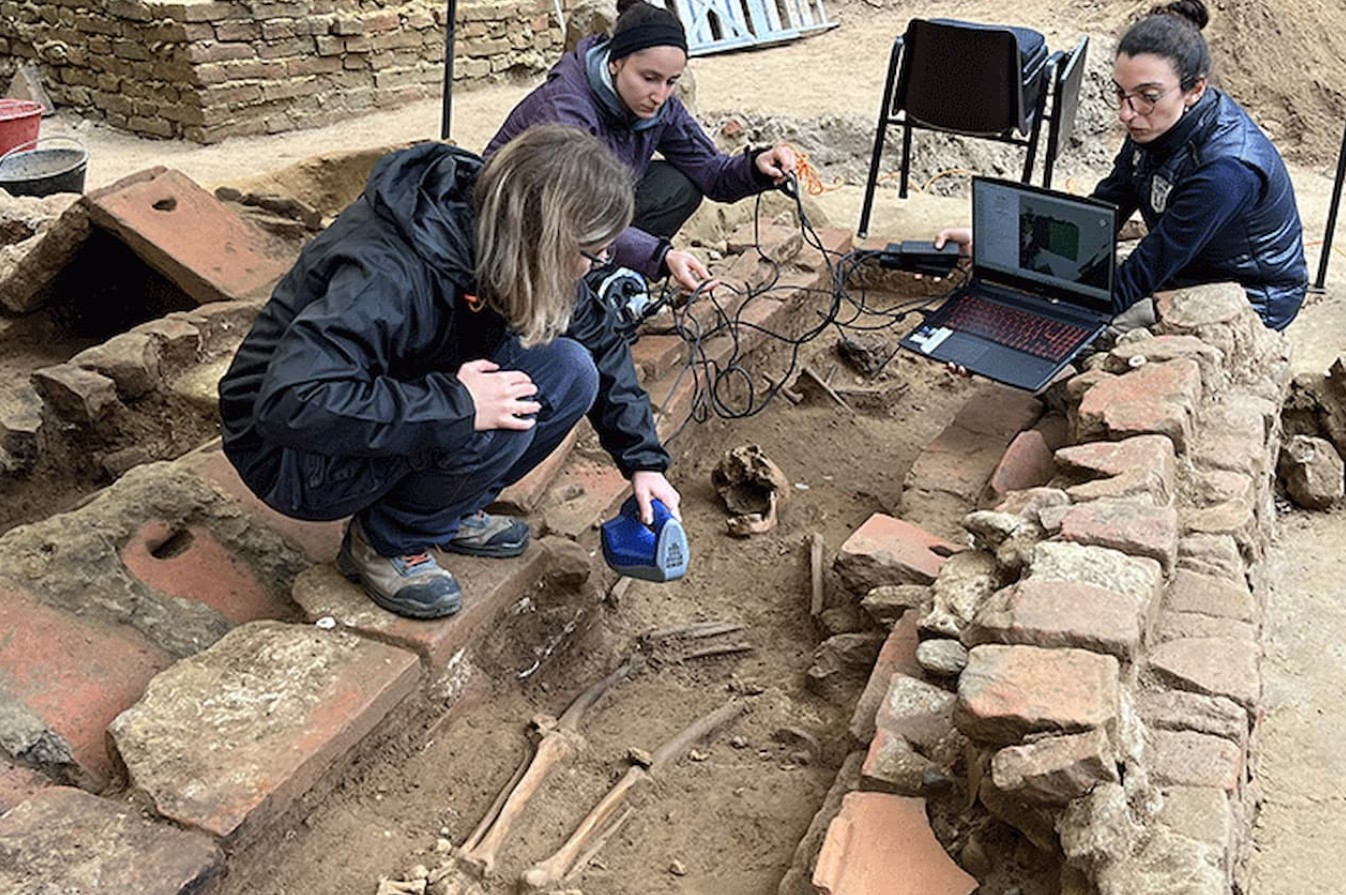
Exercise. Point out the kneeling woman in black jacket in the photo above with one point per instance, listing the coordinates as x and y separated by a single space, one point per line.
433 346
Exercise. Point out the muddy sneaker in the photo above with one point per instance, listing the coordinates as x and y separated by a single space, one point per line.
414 585
483 534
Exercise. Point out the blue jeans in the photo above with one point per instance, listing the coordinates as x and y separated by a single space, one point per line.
405 507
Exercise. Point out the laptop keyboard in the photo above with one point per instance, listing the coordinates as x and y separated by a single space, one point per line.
1039 336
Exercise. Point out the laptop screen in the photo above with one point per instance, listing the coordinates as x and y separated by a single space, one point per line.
1054 244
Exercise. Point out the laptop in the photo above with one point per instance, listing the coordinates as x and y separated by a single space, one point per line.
1043 267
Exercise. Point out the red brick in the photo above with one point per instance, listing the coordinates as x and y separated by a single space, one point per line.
522 497
490 586
63 840
885 550
999 411
1132 528
655 354
583 495
1216 666
882 844
897 655
1141 466
189 236
228 739
1009 692
19 784
1190 592
1027 463
958 462
320 541
1055 770
73 675
1186 758
1152 399
672 398
191 564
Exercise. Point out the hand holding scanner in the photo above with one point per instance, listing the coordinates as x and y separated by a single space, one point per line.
655 552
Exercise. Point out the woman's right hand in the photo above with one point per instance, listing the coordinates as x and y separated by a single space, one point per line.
687 271
962 236
501 396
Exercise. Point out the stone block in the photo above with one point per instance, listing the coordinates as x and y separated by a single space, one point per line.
1163 348
131 360
875 833
1193 625
898 654
1042 612
63 680
65 840
841 665
1139 467
655 355
887 602
885 550
893 766
1128 527
1202 813
190 563
959 462
1134 576
189 236
1036 822
320 541
180 342
942 658
226 740
920 713
20 426
18 784
1313 472
1187 758
1214 555
1055 770
57 226
1215 666
490 586
1009 692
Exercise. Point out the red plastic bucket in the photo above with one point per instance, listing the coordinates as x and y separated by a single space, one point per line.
20 120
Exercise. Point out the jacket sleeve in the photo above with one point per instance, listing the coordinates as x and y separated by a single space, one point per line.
1200 206
721 178
621 413
332 385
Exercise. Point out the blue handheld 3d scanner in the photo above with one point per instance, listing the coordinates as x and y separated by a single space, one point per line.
652 553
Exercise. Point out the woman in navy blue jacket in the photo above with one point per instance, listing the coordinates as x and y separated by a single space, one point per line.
434 345
1212 189
620 89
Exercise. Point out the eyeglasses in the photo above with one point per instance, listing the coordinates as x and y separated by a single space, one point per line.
1141 102
599 259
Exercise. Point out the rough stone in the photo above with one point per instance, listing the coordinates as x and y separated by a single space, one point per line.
1097 827
966 581
876 832
888 602
20 427
1202 813
131 360
841 664
920 713
1165 348
1192 592
1055 770
898 655
59 225
942 657
74 394
1215 666
568 563
1134 576
1193 625
1143 466
1216 556
1164 861
1313 472
65 840
226 740
1009 692
893 766
1153 399
885 550
1043 612
1036 822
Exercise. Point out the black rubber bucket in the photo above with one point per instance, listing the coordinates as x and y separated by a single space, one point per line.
45 166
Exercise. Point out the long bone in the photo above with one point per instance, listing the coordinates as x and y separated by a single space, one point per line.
560 741
548 873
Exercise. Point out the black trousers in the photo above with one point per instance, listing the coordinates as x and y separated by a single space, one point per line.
665 199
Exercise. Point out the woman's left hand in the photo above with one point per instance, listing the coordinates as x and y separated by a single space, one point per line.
649 485
778 163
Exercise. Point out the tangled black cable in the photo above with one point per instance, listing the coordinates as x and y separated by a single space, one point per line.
713 378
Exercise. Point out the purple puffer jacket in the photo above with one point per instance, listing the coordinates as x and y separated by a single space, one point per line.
566 97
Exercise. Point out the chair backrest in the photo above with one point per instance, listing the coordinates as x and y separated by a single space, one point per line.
1065 105
967 78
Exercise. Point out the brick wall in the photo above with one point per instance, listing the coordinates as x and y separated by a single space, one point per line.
204 71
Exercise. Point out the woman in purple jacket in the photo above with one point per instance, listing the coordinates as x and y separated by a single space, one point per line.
620 89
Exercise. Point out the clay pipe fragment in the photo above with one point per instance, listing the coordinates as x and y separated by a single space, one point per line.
548 873
560 741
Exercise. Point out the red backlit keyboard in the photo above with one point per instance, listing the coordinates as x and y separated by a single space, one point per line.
1011 327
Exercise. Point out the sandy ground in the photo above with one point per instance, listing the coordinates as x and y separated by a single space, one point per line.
728 823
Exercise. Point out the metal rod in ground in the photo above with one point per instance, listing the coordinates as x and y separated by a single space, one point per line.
446 110
1326 251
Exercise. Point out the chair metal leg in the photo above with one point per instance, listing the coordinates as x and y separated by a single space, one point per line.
1035 132
885 117
906 160
1326 252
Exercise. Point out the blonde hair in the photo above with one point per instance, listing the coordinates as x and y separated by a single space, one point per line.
545 196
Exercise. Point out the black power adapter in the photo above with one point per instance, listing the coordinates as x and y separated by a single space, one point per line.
920 256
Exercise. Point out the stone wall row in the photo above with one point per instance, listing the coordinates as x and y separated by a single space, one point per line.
205 71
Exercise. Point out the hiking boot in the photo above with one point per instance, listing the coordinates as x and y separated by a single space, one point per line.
483 534
413 585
